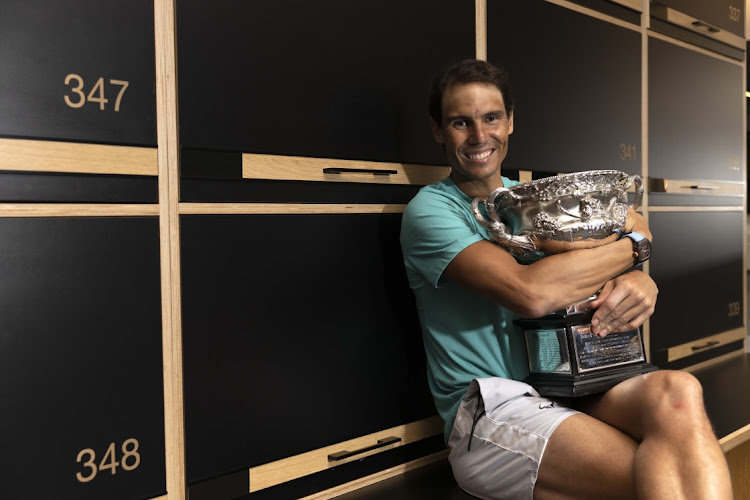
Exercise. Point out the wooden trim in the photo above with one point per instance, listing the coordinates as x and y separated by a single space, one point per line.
694 48
76 210
169 230
287 469
693 208
738 460
481 29
714 361
735 439
377 477
163 497
298 168
288 208
720 339
630 4
696 188
77 158
677 18
595 14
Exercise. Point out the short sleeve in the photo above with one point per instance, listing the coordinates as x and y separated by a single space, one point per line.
435 228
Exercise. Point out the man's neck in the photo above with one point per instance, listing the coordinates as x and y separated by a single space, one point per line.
477 187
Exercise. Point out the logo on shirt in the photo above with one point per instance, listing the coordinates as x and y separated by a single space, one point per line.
546 407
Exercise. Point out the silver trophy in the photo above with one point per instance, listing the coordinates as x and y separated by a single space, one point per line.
565 358
568 207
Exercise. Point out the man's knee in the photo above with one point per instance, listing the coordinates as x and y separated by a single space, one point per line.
673 397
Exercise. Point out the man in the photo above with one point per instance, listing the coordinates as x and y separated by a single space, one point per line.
648 437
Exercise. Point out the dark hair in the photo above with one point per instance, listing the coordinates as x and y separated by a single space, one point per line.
468 71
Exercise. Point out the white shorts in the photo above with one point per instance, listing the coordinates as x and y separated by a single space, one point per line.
501 430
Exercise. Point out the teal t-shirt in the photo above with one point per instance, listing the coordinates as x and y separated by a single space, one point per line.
465 335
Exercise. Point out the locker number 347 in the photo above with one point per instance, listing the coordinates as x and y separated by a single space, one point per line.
79 95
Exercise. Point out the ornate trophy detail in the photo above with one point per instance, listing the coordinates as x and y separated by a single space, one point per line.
565 357
567 207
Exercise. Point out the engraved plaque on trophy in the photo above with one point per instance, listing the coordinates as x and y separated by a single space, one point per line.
565 358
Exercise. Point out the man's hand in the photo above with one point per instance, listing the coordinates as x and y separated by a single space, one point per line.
624 303
636 222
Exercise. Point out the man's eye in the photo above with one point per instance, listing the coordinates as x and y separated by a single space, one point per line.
492 119
459 123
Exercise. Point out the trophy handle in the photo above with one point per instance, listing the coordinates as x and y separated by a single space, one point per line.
636 179
497 229
478 214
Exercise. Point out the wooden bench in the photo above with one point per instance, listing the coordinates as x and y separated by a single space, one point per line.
726 388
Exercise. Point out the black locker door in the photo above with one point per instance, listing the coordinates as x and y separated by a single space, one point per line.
577 87
300 331
80 359
695 115
325 79
79 70
697 265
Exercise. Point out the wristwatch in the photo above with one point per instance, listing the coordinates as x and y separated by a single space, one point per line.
641 246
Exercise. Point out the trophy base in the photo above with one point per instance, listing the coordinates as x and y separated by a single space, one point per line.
572 386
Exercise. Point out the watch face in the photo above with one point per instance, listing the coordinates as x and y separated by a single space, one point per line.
644 250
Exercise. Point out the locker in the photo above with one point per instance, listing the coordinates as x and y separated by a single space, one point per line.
80 358
576 84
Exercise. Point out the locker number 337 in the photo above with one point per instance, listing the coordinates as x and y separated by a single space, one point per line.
126 457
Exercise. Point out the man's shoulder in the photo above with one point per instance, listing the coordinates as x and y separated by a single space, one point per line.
438 194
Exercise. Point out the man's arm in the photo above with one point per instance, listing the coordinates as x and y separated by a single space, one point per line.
547 285
559 280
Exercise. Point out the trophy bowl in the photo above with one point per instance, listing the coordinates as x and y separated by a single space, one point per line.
568 207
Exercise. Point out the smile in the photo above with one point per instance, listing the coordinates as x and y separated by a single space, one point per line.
479 156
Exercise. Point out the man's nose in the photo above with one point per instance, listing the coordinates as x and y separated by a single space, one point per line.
478 133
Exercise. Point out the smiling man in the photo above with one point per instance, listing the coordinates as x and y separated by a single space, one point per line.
648 437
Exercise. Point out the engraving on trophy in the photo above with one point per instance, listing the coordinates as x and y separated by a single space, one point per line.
594 353
547 350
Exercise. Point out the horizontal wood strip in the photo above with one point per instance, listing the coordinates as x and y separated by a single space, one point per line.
695 188
735 439
685 350
377 477
714 361
298 168
78 158
76 210
288 208
287 469
595 14
631 4
694 48
694 208
675 17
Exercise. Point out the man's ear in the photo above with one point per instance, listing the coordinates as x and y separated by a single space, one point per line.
437 132
510 123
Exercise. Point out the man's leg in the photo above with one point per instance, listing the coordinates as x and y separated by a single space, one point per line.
650 438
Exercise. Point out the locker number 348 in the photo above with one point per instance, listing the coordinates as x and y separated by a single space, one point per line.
128 455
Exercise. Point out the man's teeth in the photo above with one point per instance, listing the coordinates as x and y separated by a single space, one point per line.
479 156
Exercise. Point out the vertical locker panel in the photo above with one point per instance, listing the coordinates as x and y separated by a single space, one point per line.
299 331
577 87
80 359
697 265
62 60
327 79
695 115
